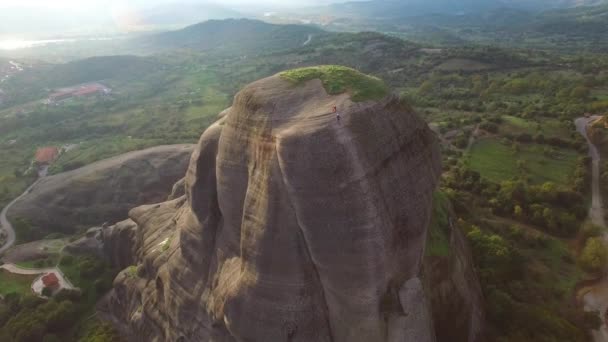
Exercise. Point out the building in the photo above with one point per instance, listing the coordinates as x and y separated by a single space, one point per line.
88 90
61 95
79 91
50 281
46 155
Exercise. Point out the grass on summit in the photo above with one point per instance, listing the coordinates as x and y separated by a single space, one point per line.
338 79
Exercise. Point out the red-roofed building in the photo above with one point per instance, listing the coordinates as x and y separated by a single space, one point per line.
51 281
89 90
62 95
46 155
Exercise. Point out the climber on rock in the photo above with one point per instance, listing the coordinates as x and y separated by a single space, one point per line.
335 111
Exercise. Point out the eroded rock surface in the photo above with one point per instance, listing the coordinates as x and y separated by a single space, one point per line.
294 226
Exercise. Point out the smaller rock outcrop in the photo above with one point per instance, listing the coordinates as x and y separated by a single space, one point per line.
104 191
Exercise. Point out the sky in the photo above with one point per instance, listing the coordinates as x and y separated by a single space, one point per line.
83 4
48 18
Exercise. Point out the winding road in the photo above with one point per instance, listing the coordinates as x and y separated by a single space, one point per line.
595 297
308 40
596 212
6 225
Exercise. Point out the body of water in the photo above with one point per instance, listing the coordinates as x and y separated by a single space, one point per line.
15 44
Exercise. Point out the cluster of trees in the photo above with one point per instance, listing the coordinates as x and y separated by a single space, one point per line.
526 138
593 258
525 94
29 318
545 206
558 210
518 301
495 258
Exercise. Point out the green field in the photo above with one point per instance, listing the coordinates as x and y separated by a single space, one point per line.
498 162
17 283
549 127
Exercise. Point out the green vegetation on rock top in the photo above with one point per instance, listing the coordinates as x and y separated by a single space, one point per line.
338 79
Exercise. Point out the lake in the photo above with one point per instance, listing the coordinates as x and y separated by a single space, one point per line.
15 44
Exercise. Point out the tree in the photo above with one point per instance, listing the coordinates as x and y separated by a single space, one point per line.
426 87
594 257
47 292
515 147
580 93
518 212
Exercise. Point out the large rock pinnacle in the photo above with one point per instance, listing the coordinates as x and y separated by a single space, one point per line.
295 226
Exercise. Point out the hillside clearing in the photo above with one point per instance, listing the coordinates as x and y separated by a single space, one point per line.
498 162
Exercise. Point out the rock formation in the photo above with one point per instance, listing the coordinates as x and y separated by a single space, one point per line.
294 227
104 191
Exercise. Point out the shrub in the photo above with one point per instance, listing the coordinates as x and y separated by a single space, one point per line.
594 257
47 292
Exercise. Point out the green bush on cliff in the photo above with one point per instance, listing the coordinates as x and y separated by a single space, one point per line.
438 244
338 79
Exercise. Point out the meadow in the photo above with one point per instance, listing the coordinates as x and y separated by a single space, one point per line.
499 161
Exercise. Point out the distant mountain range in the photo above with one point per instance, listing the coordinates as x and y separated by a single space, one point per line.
236 36
407 8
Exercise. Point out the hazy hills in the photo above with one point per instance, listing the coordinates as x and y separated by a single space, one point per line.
232 35
398 9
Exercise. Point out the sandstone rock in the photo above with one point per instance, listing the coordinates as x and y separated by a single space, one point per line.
294 227
90 244
103 191
453 287
178 190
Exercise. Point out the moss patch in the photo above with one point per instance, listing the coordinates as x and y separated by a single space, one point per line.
438 243
338 79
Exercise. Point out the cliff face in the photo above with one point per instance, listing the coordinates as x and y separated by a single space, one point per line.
294 226
451 282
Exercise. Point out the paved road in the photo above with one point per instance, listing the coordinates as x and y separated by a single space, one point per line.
6 225
596 296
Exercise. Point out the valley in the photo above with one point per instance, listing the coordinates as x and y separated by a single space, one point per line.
516 104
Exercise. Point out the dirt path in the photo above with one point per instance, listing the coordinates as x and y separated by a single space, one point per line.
595 298
6 225
472 139
596 212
